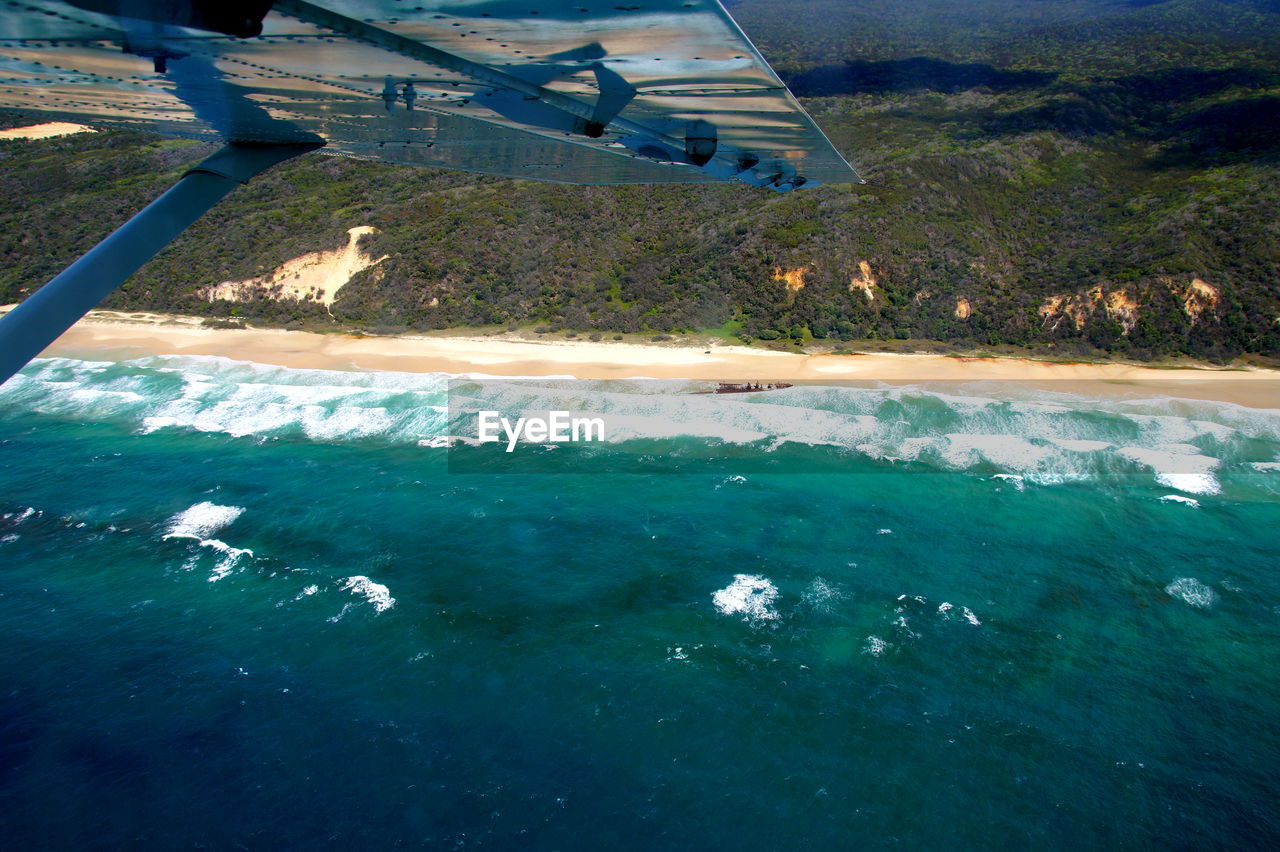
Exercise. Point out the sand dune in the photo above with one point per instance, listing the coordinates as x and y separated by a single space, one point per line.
317 276
44 131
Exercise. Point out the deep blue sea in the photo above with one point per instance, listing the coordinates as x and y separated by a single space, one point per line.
250 607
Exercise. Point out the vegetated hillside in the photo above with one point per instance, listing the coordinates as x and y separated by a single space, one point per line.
1074 176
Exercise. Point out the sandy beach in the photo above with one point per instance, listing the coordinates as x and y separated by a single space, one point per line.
115 335
44 131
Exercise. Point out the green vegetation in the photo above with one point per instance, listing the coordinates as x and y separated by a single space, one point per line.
1106 153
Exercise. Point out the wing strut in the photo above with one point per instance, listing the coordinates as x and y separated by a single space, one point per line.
41 318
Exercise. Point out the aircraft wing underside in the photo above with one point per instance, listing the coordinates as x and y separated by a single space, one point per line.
649 91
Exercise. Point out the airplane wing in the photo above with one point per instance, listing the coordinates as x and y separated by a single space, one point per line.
568 91
583 91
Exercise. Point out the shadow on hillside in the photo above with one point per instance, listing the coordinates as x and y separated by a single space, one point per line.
1181 84
1232 132
905 75
1077 117
1264 6
1147 107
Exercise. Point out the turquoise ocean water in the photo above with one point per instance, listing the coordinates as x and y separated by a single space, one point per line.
250 607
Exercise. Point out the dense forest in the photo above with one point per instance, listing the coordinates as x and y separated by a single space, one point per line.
1079 177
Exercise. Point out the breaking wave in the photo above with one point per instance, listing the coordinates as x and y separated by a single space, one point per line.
1191 591
749 595
1019 436
199 522
375 593
218 395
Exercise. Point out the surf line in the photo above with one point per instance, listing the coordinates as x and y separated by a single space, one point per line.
557 427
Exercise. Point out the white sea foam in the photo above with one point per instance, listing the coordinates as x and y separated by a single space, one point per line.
1178 498
1080 445
9 537
1178 466
875 646
230 556
1169 429
1192 483
1192 591
904 629
248 414
1013 479
750 596
334 619
375 593
639 413
1043 437
1011 452
202 520
909 448
822 595
946 609
240 399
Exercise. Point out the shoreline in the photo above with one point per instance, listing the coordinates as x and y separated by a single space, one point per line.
115 335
